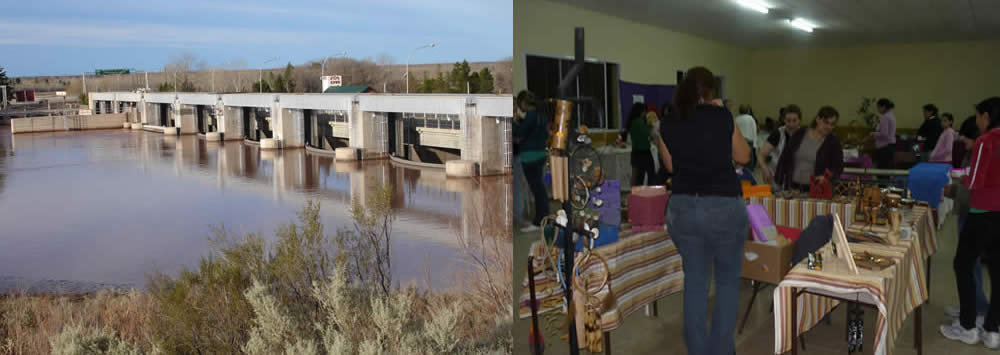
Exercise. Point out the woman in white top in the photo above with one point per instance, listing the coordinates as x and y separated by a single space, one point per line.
770 152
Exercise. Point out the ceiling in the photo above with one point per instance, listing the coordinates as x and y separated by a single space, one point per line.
839 22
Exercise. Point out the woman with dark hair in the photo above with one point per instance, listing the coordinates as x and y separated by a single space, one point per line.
967 135
706 216
930 130
981 235
885 136
642 160
811 152
532 133
945 141
770 153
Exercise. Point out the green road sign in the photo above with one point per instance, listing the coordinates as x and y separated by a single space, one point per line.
112 71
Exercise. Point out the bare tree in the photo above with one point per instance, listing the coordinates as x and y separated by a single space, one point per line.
232 75
504 76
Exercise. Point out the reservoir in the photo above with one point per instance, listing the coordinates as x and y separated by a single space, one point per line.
111 206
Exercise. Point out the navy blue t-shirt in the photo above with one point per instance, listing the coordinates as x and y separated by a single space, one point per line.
701 147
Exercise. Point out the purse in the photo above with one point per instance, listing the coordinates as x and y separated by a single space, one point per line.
820 188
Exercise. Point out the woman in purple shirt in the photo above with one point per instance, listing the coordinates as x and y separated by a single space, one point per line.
885 136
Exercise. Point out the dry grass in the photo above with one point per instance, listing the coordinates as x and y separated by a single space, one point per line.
27 323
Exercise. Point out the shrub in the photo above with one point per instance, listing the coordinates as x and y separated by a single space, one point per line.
75 339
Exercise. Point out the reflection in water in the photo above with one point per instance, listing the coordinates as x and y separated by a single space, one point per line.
113 205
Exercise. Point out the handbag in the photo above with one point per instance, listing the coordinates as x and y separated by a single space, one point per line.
819 186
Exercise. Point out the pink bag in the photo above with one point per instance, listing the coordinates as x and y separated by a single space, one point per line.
761 224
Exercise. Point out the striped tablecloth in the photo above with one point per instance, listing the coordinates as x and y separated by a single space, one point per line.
644 267
796 213
895 291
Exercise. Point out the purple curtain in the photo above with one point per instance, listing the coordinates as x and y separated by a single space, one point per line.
655 95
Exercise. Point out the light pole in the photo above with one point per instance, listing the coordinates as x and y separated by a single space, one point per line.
260 81
323 67
407 76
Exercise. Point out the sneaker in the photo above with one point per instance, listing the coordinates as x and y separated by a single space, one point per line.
530 228
991 340
955 331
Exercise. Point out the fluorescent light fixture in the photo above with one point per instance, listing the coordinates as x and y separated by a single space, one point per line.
802 24
753 5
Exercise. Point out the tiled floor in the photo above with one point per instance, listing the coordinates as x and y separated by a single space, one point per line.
664 334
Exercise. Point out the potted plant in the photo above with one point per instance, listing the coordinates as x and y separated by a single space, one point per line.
866 122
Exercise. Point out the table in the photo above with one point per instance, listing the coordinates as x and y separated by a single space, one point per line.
808 295
644 267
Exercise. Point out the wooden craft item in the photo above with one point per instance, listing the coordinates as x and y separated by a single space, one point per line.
563 112
894 222
843 248
560 174
893 200
872 262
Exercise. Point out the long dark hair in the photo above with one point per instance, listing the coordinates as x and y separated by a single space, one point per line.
990 106
884 102
699 83
636 112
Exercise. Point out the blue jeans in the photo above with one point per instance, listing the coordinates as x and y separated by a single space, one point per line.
709 233
982 303
534 174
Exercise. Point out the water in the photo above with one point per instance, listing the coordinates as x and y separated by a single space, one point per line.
111 206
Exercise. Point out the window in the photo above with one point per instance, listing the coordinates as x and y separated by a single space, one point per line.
596 87
433 120
332 115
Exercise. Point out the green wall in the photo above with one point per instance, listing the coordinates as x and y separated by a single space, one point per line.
647 54
952 75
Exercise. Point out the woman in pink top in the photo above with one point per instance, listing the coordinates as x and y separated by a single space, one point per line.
942 151
885 136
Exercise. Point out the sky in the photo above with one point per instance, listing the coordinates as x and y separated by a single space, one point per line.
62 37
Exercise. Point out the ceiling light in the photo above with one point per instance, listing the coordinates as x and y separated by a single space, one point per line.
753 5
802 24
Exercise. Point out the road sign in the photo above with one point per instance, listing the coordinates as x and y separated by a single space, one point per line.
112 71
60 93
331 81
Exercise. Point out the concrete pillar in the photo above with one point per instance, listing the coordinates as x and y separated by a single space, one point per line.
292 128
356 126
482 140
231 123
364 137
187 122
144 112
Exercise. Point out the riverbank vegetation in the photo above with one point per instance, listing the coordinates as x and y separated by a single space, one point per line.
307 292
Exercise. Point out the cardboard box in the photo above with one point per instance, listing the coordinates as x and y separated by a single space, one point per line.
769 262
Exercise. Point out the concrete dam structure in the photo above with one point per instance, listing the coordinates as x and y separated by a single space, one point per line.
467 135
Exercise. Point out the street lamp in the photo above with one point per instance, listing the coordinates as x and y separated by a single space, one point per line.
407 76
260 81
323 67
